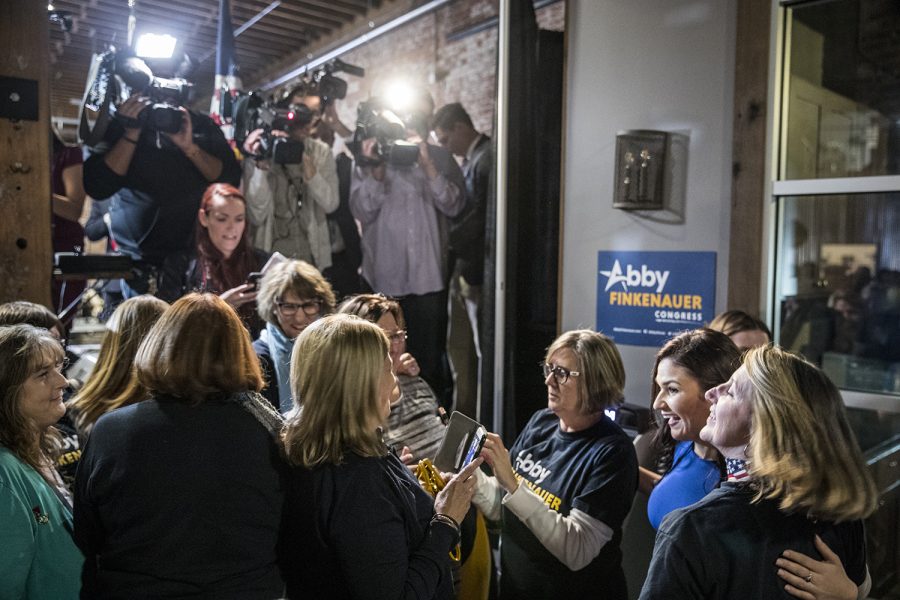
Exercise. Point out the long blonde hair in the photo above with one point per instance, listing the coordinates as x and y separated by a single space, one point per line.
802 451
336 370
113 383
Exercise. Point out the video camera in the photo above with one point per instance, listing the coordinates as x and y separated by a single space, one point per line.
375 120
329 87
167 95
253 112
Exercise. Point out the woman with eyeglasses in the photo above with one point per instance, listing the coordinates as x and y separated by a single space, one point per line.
566 485
796 479
413 425
38 558
292 295
222 259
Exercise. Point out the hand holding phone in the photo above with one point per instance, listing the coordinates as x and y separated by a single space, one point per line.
476 442
253 279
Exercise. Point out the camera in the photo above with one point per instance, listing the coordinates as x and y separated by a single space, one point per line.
331 88
253 112
375 120
167 95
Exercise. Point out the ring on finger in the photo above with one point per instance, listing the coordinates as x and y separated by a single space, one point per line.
808 578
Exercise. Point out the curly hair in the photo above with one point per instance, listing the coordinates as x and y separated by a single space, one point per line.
295 276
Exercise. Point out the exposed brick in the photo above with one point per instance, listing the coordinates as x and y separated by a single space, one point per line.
456 71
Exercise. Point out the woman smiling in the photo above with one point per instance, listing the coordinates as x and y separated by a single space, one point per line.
39 558
796 479
687 467
223 256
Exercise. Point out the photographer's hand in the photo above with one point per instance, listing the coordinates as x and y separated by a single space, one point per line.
368 150
209 166
309 166
425 161
118 159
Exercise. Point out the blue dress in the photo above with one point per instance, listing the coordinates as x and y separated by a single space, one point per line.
688 481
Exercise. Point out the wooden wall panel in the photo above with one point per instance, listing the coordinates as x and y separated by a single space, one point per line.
25 250
745 257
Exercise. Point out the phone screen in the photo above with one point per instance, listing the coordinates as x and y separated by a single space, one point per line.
474 447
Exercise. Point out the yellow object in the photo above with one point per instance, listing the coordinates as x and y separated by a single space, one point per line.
432 482
428 476
475 573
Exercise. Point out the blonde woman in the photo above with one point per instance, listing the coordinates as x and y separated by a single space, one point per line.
113 382
38 558
567 484
356 523
796 479
179 495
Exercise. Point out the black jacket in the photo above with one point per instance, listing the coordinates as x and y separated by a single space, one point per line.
467 234
176 500
155 203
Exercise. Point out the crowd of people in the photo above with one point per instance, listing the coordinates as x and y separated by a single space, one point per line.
265 392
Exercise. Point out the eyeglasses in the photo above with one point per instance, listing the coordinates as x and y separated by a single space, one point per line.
396 336
310 307
560 374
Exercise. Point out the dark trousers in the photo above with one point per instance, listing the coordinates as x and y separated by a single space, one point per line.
426 324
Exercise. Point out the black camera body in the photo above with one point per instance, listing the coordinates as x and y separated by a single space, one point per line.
167 95
252 113
374 120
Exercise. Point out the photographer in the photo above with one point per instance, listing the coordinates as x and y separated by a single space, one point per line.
404 212
288 203
158 179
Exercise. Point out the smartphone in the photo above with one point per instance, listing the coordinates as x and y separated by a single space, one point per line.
253 279
475 446
462 443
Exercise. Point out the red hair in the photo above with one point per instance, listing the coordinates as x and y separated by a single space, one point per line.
224 274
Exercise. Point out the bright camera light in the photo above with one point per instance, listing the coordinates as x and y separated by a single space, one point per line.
154 45
399 96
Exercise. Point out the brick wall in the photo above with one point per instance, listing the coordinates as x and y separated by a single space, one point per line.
461 70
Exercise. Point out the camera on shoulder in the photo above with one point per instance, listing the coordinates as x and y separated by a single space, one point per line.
167 95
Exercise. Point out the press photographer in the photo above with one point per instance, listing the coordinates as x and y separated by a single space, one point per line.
404 206
290 180
155 173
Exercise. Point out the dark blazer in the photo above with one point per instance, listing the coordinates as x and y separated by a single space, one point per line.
362 529
179 500
467 234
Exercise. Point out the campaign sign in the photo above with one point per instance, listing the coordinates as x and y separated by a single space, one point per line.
644 298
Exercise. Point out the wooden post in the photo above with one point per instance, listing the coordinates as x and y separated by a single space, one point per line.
748 190
25 248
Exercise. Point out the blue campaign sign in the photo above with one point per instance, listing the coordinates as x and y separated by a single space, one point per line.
644 298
